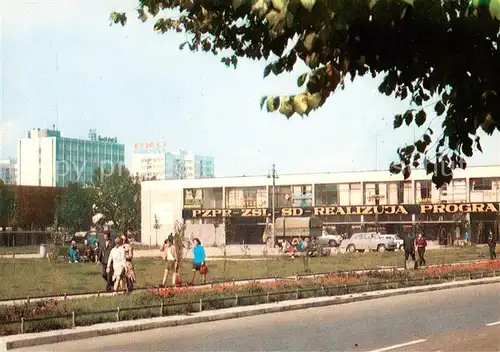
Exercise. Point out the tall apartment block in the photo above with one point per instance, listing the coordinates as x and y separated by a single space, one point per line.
8 171
45 158
152 160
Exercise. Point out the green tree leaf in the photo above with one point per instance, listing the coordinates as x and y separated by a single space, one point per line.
273 104
262 101
420 118
408 117
398 121
414 45
439 108
301 80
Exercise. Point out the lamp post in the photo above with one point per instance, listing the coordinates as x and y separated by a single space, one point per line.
274 176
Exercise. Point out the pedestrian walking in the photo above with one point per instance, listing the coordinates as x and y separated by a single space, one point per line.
117 261
492 244
129 276
409 247
169 253
421 243
104 252
97 251
198 260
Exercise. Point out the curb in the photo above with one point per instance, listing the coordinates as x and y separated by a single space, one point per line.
78 333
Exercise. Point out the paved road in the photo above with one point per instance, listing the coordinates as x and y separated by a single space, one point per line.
449 320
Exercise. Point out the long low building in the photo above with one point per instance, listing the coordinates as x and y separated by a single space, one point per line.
240 208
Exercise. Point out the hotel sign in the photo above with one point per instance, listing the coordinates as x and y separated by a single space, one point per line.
108 139
346 210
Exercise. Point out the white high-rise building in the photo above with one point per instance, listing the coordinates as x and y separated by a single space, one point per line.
8 171
45 158
152 160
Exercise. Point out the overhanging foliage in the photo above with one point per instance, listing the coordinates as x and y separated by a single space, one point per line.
441 54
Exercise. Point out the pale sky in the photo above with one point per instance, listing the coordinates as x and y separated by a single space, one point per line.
135 84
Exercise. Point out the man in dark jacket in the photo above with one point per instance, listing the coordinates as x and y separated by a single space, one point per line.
409 246
103 260
492 244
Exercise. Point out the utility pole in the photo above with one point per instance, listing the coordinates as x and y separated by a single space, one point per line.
273 201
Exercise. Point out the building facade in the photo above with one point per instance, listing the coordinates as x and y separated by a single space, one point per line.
45 158
8 171
152 161
345 202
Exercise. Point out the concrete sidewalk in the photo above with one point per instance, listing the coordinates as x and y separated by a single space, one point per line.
50 337
215 253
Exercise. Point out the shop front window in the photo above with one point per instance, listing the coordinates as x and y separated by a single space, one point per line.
423 191
282 196
193 198
481 184
326 194
246 197
302 196
375 193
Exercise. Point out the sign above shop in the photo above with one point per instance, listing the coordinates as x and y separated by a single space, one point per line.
346 210
454 208
150 145
302 196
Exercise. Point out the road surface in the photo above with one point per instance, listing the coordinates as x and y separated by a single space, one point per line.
448 320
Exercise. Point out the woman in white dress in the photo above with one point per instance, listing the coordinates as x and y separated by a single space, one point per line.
118 260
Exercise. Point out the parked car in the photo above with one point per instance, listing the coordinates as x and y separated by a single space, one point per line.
370 241
399 241
329 240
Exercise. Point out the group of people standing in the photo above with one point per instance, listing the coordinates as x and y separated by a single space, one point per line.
116 263
170 254
117 270
410 243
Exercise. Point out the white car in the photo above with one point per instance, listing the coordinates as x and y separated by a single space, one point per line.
370 241
329 240
399 241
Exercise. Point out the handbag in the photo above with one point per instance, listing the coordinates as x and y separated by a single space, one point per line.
204 269
176 280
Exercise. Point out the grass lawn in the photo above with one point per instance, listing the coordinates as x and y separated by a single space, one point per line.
37 277
36 249
20 250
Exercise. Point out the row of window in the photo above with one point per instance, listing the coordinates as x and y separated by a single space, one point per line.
344 194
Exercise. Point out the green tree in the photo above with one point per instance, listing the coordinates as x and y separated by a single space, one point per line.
116 195
440 55
74 208
6 199
15 213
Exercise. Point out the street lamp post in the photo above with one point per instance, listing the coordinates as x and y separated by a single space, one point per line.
273 204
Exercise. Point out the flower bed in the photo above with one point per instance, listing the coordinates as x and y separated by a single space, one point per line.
465 268
52 315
